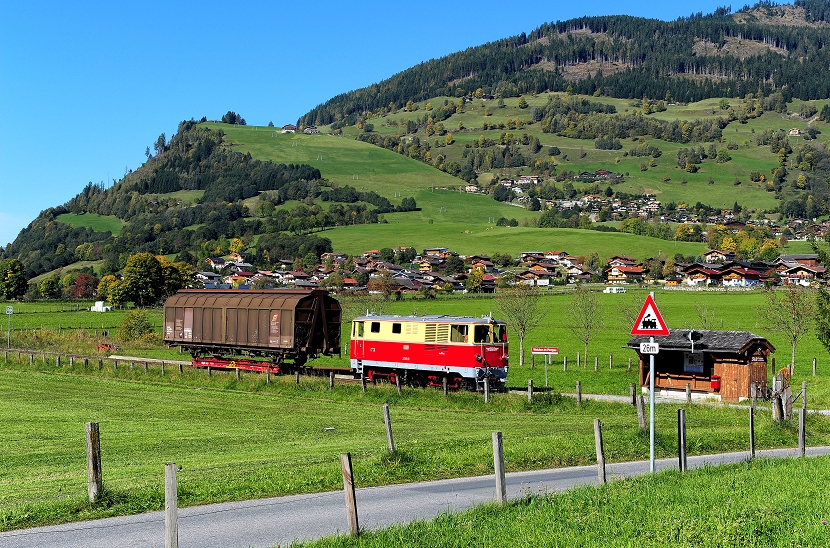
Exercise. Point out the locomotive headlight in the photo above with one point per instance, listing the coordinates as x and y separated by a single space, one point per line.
478 357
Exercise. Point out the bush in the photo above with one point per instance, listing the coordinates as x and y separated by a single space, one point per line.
135 326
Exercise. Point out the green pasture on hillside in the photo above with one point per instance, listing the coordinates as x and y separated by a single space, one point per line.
98 223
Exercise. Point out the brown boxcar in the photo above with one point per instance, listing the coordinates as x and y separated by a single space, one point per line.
278 324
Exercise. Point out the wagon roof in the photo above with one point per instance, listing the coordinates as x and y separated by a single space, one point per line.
430 318
276 299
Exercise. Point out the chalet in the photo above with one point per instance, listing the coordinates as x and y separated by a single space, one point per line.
794 132
621 260
801 274
742 277
697 274
624 274
808 259
216 263
531 256
441 252
556 255
289 128
719 256
311 130
207 277
237 257
719 364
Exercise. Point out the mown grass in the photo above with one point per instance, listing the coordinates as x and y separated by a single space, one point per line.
762 503
98 223
246 439
725 309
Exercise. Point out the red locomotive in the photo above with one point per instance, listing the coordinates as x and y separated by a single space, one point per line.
424 350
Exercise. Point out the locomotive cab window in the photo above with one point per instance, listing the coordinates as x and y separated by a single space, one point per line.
358 329
482 334
374 327
458 333
396 328
502 333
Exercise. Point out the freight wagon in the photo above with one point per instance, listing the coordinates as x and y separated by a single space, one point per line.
426 350
229 328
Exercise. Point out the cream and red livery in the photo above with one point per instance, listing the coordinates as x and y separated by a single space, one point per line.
424 350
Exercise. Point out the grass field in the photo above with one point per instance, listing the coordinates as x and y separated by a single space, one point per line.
734 309
750 504
243 439
239 440
98 223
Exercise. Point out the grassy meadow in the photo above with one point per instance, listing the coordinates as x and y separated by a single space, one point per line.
665 509
98 223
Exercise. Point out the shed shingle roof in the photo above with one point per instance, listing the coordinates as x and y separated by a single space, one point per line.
710 341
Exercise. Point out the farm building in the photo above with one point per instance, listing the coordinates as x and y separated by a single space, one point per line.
721 364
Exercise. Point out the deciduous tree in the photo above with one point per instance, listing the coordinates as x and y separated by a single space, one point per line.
585 317
143 279
521 308
791 311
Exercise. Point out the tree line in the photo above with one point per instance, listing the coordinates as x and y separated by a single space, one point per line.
658 56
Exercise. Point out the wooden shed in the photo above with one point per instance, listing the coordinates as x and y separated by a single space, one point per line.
724 364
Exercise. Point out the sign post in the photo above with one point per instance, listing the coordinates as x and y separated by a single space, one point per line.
650 323
548 352
9 312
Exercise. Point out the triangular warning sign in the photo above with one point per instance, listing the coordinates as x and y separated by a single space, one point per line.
649 321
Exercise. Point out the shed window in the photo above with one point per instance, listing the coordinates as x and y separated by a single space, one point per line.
375 327
396 328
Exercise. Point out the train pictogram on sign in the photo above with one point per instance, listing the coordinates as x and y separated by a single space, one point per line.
650 322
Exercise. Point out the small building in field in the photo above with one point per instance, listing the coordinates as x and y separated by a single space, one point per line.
719 364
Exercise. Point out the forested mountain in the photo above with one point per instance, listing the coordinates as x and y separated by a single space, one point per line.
761 50
194 159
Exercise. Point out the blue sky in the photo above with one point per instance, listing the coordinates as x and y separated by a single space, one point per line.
85 87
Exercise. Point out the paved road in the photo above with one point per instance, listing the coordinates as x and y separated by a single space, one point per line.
278 521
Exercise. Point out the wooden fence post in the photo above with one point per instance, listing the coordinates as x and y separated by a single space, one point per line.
529 390
596 363
268 375
331 380
802 432
610 361
236 370
565 363
146 367
579 392
387 421
752 432
363 380
171 507
162 368
814 367
348 489
486 390
578 359
681 439
600 451
181 367
86 362
57 360
629 364
31 359
210 371
641 412
632 393
498 463
688 393
115 365
398 383
445 382
93 462
71 362
100 364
